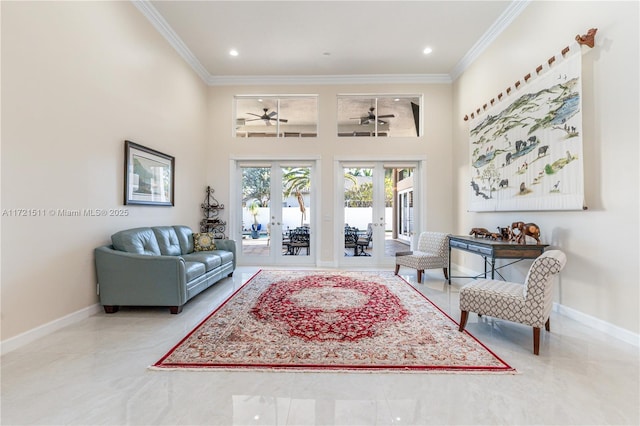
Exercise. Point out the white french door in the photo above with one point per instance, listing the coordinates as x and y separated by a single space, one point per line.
376 211
274 213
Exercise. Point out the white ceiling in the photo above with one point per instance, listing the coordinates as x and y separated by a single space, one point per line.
296 41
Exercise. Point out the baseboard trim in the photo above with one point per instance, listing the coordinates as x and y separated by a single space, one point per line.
27 337
598 324
327 265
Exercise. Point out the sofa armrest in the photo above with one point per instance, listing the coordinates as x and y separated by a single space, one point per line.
136 279
228 245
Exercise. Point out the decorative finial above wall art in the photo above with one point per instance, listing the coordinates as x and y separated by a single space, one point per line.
588 39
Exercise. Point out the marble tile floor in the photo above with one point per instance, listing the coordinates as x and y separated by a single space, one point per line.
95 373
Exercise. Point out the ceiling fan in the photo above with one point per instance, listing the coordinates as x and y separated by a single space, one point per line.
267 117
370 118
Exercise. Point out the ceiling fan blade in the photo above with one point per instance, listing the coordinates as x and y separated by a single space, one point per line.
386 116
253 119
283 120
250 113
271 114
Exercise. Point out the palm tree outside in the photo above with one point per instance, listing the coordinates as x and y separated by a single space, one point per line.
297 181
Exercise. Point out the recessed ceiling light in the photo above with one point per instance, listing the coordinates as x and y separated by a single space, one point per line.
427 50
233 52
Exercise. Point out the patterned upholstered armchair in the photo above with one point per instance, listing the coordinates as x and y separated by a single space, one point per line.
432 253
528 304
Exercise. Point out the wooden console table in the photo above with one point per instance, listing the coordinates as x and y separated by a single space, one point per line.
491 250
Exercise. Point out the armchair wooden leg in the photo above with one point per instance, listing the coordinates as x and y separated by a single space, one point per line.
397 269
463 320
547 325
446 273
536 340
420 275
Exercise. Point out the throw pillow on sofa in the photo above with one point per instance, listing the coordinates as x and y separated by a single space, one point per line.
203 241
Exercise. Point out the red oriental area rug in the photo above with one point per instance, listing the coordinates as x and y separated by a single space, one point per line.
310 320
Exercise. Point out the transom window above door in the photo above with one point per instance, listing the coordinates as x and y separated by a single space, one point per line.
275 116
379 115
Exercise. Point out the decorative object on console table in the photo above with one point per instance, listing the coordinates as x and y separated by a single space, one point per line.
525 229
210 210
480 232
506 233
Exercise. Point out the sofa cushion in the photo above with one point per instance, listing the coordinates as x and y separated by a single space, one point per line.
185 238
210 259
167 240
194 270
137 240
203 241
225 256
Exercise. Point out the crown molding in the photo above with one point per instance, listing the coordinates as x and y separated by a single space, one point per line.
515 8
159 23
329 79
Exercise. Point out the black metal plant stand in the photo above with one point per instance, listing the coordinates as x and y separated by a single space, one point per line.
210 210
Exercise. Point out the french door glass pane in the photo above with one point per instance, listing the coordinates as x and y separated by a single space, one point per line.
296 211
358 211
256 211
403 183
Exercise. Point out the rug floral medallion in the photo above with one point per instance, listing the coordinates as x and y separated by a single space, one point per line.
311 320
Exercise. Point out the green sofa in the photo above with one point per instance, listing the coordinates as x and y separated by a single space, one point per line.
157 266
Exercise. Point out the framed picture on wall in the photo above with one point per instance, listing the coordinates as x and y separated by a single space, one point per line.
149 176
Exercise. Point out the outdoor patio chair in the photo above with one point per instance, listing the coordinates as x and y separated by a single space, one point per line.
351 239
364 241
299 238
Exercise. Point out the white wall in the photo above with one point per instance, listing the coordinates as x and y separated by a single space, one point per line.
601 277
78 78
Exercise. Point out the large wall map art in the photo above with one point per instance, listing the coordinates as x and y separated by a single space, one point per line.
527 154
